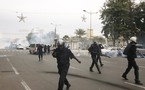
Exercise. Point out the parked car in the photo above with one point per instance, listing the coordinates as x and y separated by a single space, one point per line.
112 51
140 50
20 47
33 48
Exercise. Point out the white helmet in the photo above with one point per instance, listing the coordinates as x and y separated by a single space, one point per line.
133 39
60 42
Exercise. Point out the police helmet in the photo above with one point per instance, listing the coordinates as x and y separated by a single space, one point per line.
133 39
62 43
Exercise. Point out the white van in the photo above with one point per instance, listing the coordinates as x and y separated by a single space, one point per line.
33 48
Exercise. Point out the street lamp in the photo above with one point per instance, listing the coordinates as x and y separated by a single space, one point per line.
90 13
55 37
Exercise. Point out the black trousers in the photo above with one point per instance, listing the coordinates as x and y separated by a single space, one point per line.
132 63
99 59
62 70
95 62
40 55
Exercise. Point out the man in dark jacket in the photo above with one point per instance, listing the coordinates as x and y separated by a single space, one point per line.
131 55
40 52
63 56
94 51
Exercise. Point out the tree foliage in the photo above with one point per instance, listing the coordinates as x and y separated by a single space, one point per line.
80 32
121 18
99 39
66 38
140 21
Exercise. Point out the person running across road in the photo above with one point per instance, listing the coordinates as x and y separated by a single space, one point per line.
45 49
48 49
130 51
63 56
40 52
94 50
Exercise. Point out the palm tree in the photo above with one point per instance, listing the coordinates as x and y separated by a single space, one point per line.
65 38
80 32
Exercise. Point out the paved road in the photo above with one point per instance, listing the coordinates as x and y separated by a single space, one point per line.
20 70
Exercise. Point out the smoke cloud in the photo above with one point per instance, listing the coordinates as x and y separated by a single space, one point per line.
42 38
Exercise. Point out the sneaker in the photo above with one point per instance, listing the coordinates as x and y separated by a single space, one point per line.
68 86
124 77
138 83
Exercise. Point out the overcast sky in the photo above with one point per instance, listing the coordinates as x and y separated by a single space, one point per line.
40 13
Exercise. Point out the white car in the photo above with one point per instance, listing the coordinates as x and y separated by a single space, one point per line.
20 47
112 52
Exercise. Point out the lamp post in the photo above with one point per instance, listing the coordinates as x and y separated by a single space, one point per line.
90 13
55 37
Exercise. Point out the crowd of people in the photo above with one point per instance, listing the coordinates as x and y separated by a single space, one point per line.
42 49
63 55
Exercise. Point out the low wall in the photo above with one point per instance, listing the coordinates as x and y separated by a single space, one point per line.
80 52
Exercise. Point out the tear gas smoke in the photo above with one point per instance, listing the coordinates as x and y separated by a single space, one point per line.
42 38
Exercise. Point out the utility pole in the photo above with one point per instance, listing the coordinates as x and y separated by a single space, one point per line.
90 28
55 36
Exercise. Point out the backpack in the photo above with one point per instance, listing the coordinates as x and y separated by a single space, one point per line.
54 54
125 52
94 49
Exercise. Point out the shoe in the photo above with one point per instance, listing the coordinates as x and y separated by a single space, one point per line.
99 72
138 83
91 70
102 65
124 77
68 86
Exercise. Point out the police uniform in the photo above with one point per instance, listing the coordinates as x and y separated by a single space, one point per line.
40 52
131 55
63 56
94 50
99 55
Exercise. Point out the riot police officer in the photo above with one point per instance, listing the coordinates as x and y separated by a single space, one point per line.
95 51
40 52
63 56
130 51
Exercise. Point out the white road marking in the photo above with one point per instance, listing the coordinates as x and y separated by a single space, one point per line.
15 70
4 55
108 62
25 85
142 67
75 68
135 85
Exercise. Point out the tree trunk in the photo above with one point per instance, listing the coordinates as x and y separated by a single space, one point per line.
113 42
